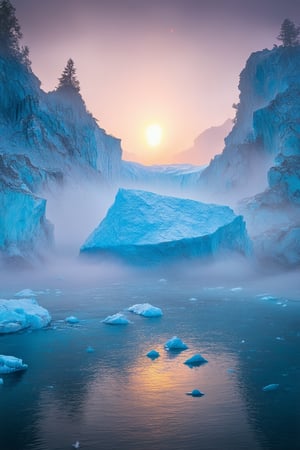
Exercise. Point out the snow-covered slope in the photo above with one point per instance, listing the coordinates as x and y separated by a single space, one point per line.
143 227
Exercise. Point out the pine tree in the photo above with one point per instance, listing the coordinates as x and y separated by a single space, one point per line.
10 31
289 34
68 78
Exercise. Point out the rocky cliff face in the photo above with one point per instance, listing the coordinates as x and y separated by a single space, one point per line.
54 130
265 125
45 139
261 159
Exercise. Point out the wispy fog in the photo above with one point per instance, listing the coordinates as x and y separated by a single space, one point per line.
75 212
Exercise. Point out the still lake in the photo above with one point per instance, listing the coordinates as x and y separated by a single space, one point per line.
117 398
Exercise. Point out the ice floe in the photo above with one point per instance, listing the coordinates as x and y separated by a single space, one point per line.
195 360
116 319
16 315
9 364
153 354
175 344
146 310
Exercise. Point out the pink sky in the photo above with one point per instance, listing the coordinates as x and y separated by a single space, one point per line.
172 62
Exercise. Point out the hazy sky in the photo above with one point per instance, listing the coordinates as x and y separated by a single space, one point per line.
173 62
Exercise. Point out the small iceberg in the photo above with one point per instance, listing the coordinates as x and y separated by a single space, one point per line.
175 344
195 393
72 320
1 381
26 293
236 289
153 354
116 319
270 387
9 364
146 310
16 315
90 349
195 360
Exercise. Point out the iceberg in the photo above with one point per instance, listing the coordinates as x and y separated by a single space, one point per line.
175 344
16 315
116 319
29 293
72 320
146 310
270 387
195 360
195 393
145 228
153 354
9 364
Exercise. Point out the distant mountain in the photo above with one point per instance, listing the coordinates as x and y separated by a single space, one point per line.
209 143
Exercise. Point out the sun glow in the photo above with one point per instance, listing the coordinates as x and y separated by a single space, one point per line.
153 135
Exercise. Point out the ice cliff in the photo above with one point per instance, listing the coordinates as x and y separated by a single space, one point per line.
53 129
268 79
145 228
261 158
46 139
163 179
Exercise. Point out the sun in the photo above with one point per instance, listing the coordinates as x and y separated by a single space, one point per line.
153 135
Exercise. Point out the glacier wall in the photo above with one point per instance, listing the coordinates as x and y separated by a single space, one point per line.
257 137
25 234
47 141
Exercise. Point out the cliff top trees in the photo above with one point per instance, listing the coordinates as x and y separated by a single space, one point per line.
10 34
68 80
289 34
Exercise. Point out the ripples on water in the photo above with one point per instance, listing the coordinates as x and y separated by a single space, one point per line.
116 397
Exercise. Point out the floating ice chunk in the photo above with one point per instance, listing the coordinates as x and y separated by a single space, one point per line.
90 349
1 381
146 310
269 298
166 229
279 338
9 364
270 387
193 299
195 393
26 293
153 354
236 289
72 320
195 360
175 344
116 319
16 315
76 445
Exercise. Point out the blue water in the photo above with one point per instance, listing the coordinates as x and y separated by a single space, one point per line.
116 397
